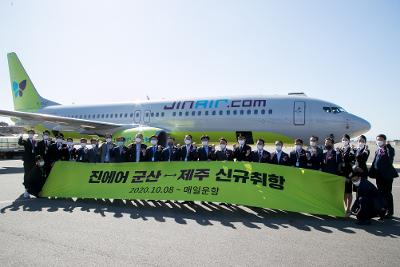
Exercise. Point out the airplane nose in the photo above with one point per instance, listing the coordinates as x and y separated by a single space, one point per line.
361 126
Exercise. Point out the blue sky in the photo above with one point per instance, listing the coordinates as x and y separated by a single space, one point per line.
347 52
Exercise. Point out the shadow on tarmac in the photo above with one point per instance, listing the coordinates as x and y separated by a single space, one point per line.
204 213
11 170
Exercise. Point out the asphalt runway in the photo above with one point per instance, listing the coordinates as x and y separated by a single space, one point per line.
70 232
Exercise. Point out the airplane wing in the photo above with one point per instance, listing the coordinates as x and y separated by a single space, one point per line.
58 123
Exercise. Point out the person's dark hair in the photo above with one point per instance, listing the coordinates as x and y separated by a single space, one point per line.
279 141
188 135
70 139
223 139
346 136
330 139
298 140
154 136
261 140
314 137
204 137
83 139
381 136
363 137
170 137
46 132
38 157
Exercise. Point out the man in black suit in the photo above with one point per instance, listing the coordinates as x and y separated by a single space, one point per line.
30 152
153 152
205 152
298 156
36 177
82 154
43 150
119 153
279 157
94 151
188 152
315 155
68 152
55 149
223 153
331 158
242 152
137 150
382 169
260 155
170 152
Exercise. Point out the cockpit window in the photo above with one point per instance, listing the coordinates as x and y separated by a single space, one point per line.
333 109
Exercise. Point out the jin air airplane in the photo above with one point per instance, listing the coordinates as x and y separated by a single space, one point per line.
271 117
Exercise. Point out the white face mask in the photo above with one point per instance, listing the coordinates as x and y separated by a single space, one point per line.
204 143
83 145
361 145
41 163
345 143
260 147
188 141
298 147
58 140
153 142
69 143
45 137
108 140
93 145
120 143
313 144
30 136
278 148
380 143
357 183
241 142
222 146
138 140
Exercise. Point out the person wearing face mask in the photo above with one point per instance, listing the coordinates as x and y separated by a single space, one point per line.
331 159
82 154
43 150
55 149
223 153
106 149
279 157
68 153
170 152
260 155
347 155
94 151
361 153
368 203
242 152
137 150
383 171
119 153
30 152
36 177
188 152
298 156
205 152
153 152
315 154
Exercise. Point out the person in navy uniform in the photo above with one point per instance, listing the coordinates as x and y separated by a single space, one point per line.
153 152
369 202
223 153
94 151
332 159
279 157
315 154
260 155
106 149
298 156
120 152
205 152
137 150
188 152
170 152
347 155
382 169
36 177
82 154
30 152
242 152
43 147
361 154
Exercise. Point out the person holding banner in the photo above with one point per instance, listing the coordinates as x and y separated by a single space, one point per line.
223 154
278 157
315 154
260 155
242 152
82 152
94 151
298 157
188 152
205 152
153 153
171 152
331 159
69 153
36 177
137 150
119 153
43 150
106 149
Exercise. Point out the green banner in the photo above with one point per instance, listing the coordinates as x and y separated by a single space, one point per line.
253 184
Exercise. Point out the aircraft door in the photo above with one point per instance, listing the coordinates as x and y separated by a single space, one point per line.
299 113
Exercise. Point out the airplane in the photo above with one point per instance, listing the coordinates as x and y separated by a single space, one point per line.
270 117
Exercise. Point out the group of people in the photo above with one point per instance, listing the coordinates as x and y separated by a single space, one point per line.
347 161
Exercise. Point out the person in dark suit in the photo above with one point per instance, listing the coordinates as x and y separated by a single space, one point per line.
119 153
153 152
205 152
332 159
106 149
170 152
55 149
137 150
82 153
223 153
314 154
361 155
43 147
94 151
242 152
347 155
298 156
30 152
369 202
68 152
382 169
260 155
36 177
188 152
279 157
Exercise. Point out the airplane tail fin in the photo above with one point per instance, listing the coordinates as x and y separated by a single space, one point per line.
25 96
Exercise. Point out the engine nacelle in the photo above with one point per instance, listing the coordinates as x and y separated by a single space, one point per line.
147 132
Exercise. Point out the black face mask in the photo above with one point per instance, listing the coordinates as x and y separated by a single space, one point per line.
328 147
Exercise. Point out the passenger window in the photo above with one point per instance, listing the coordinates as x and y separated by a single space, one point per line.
193 113
174 113
235 112
162 114
180 113
187 113
263 111
221 112
248 111
214 112
206 112
111 116
228 112
198 113
157 114
126 115
241 112
255 111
